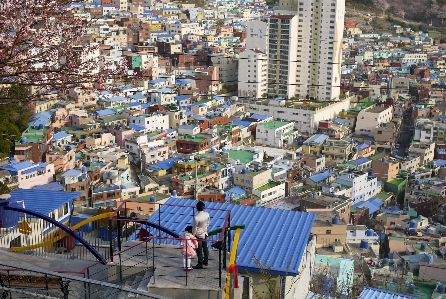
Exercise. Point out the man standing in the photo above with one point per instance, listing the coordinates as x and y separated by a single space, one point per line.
200 230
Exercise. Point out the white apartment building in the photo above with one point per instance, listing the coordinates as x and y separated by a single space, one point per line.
370 118
314 50
163 96
305 118
183 29
276 133
252 74
363 186
269 193
257 35
413 58
150 121
427 130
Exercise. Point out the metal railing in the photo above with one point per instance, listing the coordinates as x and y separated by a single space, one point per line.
29 282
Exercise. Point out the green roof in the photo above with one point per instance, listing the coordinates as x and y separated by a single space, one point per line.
197 139
397 181
147 198
412 213
393 238
289 133
243 156
390 215
377 156
154 133
267 186
382 195
275 124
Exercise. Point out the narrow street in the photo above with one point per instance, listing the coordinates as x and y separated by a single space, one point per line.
404 137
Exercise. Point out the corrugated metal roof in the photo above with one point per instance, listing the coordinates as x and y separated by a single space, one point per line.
44 201
267 238
371 293
360 161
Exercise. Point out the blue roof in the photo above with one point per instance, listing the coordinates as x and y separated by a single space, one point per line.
136 127
276 247
373 204
61 135
14 168
104 112
44 201
187 127
134 104
168 164
242 123
363 146
260 116
182 97
71 173
53 186
321 176
236 192
439 163
182 82
318 138
360 161
156 81
372 293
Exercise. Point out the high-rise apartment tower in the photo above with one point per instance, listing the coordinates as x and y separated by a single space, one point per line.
305 49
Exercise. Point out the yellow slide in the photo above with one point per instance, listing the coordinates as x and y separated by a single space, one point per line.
55 239
232 261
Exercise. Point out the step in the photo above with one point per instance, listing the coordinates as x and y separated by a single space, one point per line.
143 284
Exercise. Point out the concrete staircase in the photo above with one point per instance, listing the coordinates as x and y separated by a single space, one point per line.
138 283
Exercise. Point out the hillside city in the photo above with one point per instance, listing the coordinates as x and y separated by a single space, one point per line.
317 143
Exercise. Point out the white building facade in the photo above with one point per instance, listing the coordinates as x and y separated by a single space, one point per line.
363 186
252 74
150 121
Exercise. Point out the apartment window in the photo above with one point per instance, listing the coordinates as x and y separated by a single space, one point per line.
328 232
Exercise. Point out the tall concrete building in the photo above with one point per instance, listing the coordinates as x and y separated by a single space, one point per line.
305 49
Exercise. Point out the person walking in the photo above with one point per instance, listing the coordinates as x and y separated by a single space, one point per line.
200 230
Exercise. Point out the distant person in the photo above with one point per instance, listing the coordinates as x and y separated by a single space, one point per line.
188 246
200 230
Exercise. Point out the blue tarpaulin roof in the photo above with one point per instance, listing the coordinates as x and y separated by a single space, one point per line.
266 239
319 177
61 135
373 204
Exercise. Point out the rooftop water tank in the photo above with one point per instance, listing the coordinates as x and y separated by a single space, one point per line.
350 170
390 255
67 148
298 153
41 127
412 224
417 182
212 150
384 160
23 140
148 139
420 217
364 244
84 169
223 150
152 148
211 127
423 247
370 232
429 258
331 143
174 193
355 149
244 171
153 198
215 165
193 137
440 289
335 220
352 141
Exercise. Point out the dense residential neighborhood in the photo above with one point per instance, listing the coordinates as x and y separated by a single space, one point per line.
291 123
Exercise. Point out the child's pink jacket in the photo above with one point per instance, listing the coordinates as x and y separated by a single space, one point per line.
188 245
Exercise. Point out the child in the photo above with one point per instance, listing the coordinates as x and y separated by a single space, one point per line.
188 245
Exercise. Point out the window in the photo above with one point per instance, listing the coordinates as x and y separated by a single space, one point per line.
328 232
